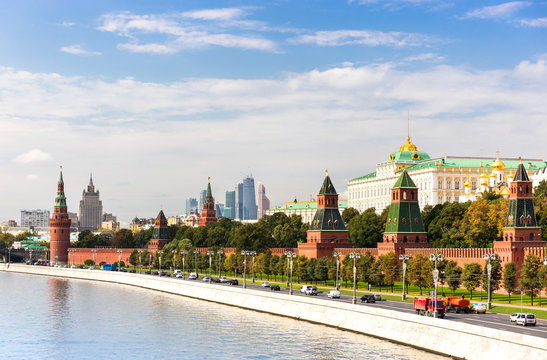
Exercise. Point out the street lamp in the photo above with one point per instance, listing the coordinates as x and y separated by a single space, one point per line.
354 256
404 258
290 255
337 255
196 252
211 254
174 262
253 254
220 253
159 252
435 258
94 251
119 259
245 253
183 255
140 260
489 257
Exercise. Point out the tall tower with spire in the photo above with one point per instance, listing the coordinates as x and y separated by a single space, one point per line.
91 208
59 225
208 214
160 236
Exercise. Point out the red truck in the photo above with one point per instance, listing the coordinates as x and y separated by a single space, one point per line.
427 307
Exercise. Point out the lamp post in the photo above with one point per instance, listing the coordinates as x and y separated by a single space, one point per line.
253 254
174 265
183 254
47 253
245 253
489 257
159 252
119 259
220 253
290 255
140 260
354 256
211 254
404 258
288 262
150 262
436 258
196 252
337 255
30 257
94 251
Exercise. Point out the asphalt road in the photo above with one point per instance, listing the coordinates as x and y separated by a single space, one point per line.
492 320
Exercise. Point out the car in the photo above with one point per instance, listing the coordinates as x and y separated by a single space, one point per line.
265 284
147 272
193 276
478 308
123 269
513 317
377 297
73 266
176 272
334 294
216 280
368 298
163 273
224 279
155 273
526 319
275 288
304 288
207 278
234 282
133 271
178 275
311 290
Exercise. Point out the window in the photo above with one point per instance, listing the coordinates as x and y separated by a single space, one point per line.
440 184
531 236
417 239
448 183
404 194
404 239
473 185
457 184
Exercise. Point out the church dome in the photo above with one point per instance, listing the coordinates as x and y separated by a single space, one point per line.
484 176
498 164
408 146
467 184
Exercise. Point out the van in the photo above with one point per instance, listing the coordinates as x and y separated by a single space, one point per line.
193 276
526 319
304 288
312 290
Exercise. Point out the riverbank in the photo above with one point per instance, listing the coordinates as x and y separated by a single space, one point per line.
436 335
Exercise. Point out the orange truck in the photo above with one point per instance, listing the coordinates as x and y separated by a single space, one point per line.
456 304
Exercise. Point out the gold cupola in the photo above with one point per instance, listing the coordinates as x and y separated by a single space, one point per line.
498 164
408 146
467 184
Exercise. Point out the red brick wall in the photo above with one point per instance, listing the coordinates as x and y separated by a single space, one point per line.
108 255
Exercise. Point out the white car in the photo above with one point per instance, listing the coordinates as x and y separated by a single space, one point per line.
265 284
513 317
224 279
526 319
334 294
193 276
206 278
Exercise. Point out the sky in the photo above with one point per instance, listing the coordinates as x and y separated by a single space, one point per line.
153 97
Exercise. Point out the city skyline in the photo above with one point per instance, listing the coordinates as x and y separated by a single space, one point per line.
153 98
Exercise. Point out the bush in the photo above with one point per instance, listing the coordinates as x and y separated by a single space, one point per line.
121 264
89 262
102 263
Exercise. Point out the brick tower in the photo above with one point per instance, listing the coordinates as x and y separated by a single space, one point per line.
327 230
208 214
59 225
521 229
160 236
404 227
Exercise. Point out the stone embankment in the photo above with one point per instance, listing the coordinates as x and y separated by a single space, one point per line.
441 336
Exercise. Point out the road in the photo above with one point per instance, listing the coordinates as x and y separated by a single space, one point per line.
492 320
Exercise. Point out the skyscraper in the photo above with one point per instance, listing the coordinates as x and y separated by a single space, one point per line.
91 208
239 202
191 205
263 201
249 199
230 208
202 195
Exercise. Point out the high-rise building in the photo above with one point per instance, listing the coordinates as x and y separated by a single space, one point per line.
60 226
202 195
73 221
239 201
249 199
91 208
230 207
191 205
34 218
219 209
263 201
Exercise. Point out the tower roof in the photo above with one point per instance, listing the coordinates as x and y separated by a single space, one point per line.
209 193
61 181
327 188
161 216
521 174
60 199
404 181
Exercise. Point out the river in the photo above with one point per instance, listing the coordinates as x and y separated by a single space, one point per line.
52 318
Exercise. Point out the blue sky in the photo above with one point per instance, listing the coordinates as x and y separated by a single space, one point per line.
154 96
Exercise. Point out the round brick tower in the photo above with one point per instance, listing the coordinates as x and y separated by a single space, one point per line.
59 225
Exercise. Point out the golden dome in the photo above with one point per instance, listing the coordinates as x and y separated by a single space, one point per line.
493 176
484 182
484 176
511 176
467 184
408 146
497 164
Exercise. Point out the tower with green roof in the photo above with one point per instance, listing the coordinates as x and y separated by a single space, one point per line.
208 214
59 225
160 236
327 230
404 226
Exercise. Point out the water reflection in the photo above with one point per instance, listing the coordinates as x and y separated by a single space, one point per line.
59 303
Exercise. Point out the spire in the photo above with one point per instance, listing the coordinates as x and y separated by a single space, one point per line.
408 146
521 174
161 216
209 193
91 178
404 181
61 175
327 188
60 199
90 187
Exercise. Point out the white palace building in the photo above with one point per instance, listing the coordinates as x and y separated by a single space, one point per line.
443 179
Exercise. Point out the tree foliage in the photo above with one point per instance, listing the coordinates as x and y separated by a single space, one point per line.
453 274
510 278
471 277
365 230
530 276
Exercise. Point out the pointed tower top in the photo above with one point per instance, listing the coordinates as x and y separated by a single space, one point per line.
209 193
161 216
521 174
327 188
61 174
91 178
404 181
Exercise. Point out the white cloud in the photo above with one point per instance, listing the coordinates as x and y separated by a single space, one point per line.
32 156
538 22
424 57
189 30
502 11
79 50
365 37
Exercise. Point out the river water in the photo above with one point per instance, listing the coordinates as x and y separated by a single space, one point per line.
52 318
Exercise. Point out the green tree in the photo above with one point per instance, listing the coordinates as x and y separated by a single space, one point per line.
273 266
529 276
134 258
321 270
348 214
420 272
377 277
483 223
310 270
365 230
301 263
89 262
510 278
123 239
366 266
453 274
6 240
429 213
471 277
390 268
446 223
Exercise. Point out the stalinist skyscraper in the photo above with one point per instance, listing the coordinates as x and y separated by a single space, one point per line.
91 208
